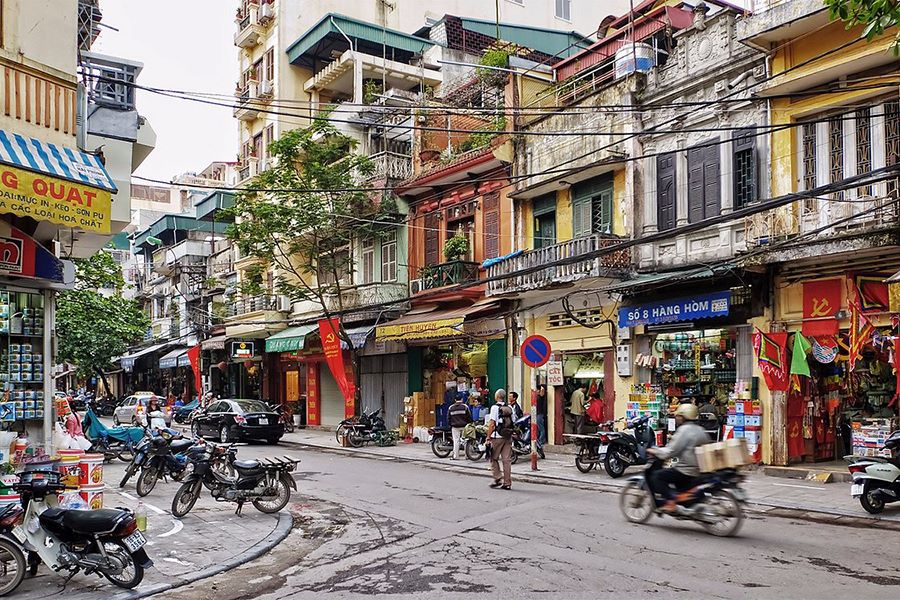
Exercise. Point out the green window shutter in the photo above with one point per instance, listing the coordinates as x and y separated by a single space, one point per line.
581 217
602 205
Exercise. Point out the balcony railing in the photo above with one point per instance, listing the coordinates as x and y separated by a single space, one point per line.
251 304
251 26
390 165
221 263
567 273
449 273
110 81
368 294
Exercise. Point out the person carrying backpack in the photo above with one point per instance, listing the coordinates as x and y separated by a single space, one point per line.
500 433
459 417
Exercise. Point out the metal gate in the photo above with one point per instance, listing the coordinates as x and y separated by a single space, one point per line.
384 385
332 398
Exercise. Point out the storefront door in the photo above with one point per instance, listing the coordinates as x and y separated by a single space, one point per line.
383 385
332 398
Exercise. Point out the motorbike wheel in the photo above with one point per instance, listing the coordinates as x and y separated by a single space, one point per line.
870 501
339 433
195 430
133 573
730 515
282 497
514 458
129 473
185 498
472 451
636 502
147 481
355 439
289 426
12 566
440 449
181 475
583 462
614 465
224 434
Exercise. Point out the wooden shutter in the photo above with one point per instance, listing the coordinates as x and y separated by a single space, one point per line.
704 189
581 217
695 159
665 191
712 186
432 239
491 204
744 159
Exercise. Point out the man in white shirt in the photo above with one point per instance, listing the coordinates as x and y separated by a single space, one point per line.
500 432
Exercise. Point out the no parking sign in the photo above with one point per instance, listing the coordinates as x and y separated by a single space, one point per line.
535 351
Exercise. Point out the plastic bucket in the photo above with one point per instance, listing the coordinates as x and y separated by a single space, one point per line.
70 469
64 452
93 496
91 470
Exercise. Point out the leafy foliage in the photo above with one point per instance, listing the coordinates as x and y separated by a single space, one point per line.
93 328
876 15
456 247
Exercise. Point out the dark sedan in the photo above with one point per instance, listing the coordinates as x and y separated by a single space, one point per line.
239 420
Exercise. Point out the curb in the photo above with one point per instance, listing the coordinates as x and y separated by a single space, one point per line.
806 474
275 537
810 513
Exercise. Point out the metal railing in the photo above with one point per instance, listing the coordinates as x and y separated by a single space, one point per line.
251 304
391 165
368 294
448 273
542 278
109 82
221 263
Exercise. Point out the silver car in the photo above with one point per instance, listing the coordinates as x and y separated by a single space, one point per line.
133 410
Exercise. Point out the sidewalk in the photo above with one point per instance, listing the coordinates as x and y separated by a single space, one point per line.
208 541
798 498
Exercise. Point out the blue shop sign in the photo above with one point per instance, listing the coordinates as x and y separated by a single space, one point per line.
672 311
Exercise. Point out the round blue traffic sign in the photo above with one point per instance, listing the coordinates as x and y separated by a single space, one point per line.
535 351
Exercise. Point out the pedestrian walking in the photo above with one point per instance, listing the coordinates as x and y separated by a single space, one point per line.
542 413
500 433
459 416
576 406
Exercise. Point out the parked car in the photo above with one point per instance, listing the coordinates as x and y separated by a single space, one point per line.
183 412
239 420
133 410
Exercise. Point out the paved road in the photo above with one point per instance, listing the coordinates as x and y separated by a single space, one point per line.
379 527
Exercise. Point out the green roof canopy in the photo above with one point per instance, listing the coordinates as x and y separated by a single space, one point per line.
289 340
213 203
168 227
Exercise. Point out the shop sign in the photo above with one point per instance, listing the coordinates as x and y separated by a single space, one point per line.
313 412
22 256
243 350
45 198
555 372
672 311
441 328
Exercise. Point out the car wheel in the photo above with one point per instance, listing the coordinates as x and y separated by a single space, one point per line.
116 421
224 434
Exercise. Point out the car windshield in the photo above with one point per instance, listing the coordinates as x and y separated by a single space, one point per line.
252 406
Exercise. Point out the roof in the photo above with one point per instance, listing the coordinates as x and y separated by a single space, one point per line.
641 281
460 167
128 359
290 339
208 207
176 223
61 162
170 359
332 28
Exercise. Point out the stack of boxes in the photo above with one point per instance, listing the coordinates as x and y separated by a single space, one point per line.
646 400
744 420
423 409
21 362
869 436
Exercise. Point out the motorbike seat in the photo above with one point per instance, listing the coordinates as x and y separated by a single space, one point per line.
246 465
103 520
179 446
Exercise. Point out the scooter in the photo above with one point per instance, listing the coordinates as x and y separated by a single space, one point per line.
475 436
592 447
442 441
626 449
521 441
876 480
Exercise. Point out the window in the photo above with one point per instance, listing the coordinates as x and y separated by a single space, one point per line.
270 137
331 262
545 221
269 62
592 206
892 140
256 71
704 190
864 147
432 238
836 152
808 145
743 147
465 227
564 10
491 206
389 256
666 188
257 146
368 260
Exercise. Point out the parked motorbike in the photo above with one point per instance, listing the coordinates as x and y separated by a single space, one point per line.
266 483
591 447
521 441
286 417
628 449
361 430
164 456
475 436
442 441
105 542
876 480
111 443
715 500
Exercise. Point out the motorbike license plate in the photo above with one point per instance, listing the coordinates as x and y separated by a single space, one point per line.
856 490
135 541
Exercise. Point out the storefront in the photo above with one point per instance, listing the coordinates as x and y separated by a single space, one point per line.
142 371
174 378
384 378
245 369
214 365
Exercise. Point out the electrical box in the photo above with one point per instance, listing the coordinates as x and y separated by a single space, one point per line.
623 360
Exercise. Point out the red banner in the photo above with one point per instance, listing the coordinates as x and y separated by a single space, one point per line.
193 355
771 351
821 301
334 356
313 409
871 292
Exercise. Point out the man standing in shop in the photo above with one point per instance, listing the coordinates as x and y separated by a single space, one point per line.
576 407
499 433
459 416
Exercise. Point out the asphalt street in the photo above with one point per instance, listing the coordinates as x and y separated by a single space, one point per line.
380 527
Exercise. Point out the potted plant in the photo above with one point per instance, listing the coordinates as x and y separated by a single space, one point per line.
456 247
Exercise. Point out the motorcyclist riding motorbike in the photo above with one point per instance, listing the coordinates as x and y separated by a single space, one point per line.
688 436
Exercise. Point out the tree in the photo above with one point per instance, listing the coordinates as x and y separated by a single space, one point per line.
302 216
877 15
94 328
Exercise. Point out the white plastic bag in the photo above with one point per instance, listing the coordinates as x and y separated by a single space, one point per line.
81 442
59 437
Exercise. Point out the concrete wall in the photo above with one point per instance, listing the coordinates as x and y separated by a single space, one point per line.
28 26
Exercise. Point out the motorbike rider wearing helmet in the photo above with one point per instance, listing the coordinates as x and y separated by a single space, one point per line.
688 436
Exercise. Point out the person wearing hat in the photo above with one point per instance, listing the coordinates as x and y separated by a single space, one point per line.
688 435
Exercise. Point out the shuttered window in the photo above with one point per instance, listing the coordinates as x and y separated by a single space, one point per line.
491 205
704 197
592 206
743 147
432 239
665 191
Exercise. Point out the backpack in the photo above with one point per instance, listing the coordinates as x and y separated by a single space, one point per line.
505 426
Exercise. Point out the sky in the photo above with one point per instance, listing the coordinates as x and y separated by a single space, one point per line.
184 45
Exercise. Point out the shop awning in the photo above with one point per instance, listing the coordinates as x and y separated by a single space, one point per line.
128 359
214 343
358 335
289 340
184 360
170 360
652 279
54 182
428 322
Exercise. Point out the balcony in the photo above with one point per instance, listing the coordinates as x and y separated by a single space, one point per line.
434 277
256 304
251 28
221 263
110 81
186 252
247 169
164 328
773 21
368 294
563 274
391 166
252 99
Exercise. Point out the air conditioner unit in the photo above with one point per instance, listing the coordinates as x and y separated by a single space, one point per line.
266 13
285 304
265 89
415 286
264 165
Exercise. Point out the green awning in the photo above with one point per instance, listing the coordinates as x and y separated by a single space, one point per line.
289 340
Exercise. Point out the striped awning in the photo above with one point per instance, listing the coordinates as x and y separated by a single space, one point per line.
58 161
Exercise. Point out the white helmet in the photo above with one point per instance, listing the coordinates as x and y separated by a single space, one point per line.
688 411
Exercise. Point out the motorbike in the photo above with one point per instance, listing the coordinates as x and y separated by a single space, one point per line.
715 500
475 435
628 449
286 417
266 483
521 440
442 441
163 455
105 542
104 406
591 447
111 443
876 480
362 430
